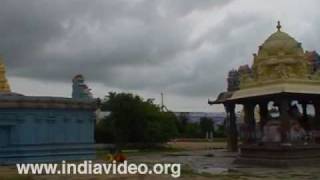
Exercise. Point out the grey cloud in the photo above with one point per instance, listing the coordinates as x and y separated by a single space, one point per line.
130 44
90 37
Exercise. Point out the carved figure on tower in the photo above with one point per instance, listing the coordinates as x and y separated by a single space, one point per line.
233 80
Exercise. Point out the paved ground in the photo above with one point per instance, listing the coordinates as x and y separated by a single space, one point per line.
200 161
205 164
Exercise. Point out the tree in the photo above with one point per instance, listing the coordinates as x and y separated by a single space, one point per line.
192 130
181 123
186 128
134 120
220 131
206 126
104 132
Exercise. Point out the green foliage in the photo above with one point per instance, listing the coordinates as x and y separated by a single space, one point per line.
134 120
181 123
192 130
220 132
104 132
189 129
206 126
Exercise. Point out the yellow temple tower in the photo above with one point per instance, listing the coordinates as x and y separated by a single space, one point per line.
4 85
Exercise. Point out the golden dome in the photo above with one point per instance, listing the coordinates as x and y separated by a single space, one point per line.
280 43
280 59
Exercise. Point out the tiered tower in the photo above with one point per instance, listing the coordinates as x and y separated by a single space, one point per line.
79 89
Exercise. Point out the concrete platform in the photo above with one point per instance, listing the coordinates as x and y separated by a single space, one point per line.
279 155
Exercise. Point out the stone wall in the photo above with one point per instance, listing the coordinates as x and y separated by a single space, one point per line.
37 129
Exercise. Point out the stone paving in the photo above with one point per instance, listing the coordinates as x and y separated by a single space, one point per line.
218 164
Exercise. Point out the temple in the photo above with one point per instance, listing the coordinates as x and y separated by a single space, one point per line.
45 129
283 83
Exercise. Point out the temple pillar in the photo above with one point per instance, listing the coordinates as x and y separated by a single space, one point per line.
231 127
250 122
264 114
284 118
317 114
304 110
305 120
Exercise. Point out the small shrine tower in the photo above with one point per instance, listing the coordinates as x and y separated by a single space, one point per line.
79 89
4 85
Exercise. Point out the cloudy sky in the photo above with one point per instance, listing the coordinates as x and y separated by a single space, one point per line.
183 48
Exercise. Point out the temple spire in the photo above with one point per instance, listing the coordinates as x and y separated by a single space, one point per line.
4 85
279 26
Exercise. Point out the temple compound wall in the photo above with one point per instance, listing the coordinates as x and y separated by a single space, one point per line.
46 129
36 129
49 126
